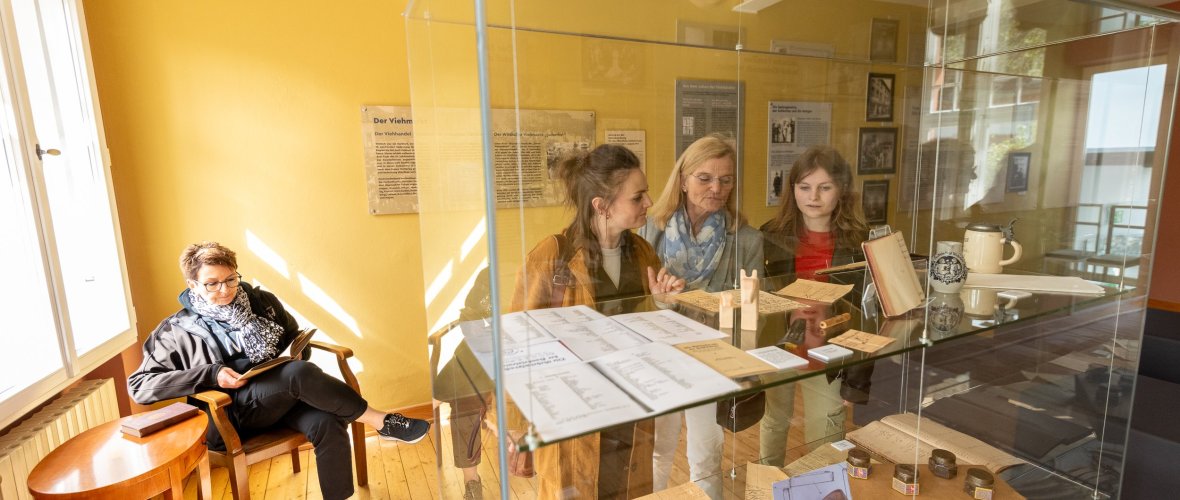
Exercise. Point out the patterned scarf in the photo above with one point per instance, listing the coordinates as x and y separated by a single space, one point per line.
689 257
257 336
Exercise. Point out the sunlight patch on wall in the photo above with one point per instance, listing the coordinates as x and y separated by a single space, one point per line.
451 313
440 281
267 254
321 298
475 237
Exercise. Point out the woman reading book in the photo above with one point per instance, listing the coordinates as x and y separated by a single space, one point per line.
597 258
224 328
819 225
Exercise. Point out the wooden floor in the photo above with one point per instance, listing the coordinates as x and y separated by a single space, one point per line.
401 471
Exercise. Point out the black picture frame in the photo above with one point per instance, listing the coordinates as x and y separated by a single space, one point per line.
883 40
874 200
879 97
1019 166
876 151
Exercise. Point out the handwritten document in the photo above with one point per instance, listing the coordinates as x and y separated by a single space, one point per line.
759 480
816 290
895 437
667 326
661 377
596 338
722 356
862 341
568 400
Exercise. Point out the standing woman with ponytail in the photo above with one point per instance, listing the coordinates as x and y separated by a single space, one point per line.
597 258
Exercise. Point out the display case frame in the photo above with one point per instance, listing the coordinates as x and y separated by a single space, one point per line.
978 86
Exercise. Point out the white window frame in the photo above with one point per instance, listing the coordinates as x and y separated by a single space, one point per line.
74 366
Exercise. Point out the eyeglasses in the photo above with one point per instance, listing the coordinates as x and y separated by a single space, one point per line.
725 180
230 283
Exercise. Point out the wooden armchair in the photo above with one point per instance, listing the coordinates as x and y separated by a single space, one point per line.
238 455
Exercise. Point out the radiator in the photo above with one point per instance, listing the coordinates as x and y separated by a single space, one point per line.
88 404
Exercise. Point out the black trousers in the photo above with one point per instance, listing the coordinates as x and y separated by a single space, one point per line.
302 397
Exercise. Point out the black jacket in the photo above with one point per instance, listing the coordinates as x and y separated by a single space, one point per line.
182 357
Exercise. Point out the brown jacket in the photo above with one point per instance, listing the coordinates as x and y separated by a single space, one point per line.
570 469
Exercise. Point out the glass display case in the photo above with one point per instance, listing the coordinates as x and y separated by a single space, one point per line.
1032 134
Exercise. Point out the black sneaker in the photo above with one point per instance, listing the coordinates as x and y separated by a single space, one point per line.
401 428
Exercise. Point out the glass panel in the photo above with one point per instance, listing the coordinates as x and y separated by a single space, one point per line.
984 28
993 128
76 184
33 350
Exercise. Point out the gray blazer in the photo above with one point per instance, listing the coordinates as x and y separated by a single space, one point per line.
745 246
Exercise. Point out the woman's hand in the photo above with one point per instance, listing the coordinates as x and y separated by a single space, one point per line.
227 378
663 282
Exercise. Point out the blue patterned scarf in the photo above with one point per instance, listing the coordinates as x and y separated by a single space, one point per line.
693 258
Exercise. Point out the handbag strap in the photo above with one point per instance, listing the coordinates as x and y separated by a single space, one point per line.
562 277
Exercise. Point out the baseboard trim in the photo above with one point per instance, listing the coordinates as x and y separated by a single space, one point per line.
1163 305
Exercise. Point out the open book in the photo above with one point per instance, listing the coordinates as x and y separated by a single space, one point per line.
893 272
296 352
895 436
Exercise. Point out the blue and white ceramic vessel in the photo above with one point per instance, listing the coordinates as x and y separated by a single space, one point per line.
948 269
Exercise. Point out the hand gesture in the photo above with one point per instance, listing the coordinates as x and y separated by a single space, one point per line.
663 282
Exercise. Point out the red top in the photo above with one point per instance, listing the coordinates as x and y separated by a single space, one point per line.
814 253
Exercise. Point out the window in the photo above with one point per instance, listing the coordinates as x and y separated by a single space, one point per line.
64 291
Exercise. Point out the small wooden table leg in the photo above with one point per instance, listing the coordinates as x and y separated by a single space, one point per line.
176 475
205 487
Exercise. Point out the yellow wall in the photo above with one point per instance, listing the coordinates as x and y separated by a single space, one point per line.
228 119
240 122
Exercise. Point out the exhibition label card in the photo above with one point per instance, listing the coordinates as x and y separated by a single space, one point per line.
667 326
661 377
778 358
568 400
592 339
828 353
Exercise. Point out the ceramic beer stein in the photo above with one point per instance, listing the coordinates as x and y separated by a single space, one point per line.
983 247
948 268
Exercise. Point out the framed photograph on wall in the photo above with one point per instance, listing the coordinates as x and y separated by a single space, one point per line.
874 196
883 40
1018 168
876 151
879 98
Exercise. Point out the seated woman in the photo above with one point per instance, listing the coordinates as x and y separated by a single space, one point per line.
701 237
596 258
819 225
224 327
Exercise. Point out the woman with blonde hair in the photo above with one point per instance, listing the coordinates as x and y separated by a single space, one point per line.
701 237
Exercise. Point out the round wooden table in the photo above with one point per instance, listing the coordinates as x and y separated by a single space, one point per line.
104 463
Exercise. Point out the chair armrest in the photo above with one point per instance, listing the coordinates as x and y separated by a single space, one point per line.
341 352
342 355
217 402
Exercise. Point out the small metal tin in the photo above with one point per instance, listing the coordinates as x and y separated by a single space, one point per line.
979 483
942 464
859 464
905 479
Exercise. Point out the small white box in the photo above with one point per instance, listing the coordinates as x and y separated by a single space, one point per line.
828 353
